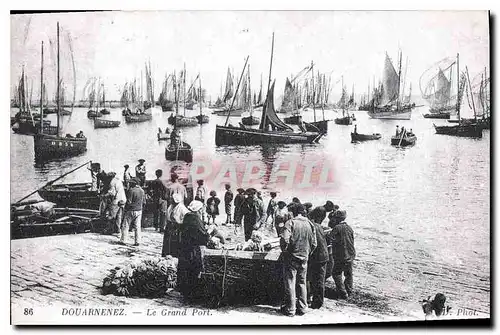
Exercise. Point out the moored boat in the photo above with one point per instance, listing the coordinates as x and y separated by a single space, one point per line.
133 118
202 119
250 120
356 137
461 130
225 112
318 126
180 151
294 119
105 111
404 140
101 123
346 120
182 121
438 115
93 113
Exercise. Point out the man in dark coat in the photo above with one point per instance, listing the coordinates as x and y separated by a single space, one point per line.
192 235
342 240
253 212
297 242
318 260
158 193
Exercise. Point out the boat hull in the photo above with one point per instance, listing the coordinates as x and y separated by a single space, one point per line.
138 118
239 136
52 146
225 112
182 121
176 153
202 119
100 123
318 126
438 115
474 130
250 120
383 114
104 111
294 119
403 142
356 137
167 107
345 121
93 114
27 128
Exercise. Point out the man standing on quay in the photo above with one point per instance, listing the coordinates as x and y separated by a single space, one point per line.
133 212
297 242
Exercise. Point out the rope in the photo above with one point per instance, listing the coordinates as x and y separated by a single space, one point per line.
224 275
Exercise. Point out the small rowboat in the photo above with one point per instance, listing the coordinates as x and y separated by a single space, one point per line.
202 119
182 152
105 111
356 137
93 113
138 118
404 141
346 121
100 123
318 126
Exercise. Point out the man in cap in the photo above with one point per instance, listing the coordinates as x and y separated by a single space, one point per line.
192 235
176 187
158 191
239 199
133 212
297 242
316 270
342 240
252 211
116 199
140 172
175 215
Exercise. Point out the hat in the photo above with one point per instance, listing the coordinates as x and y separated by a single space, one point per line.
177 198
296 200
200 181
240 190
282 203
307 205
195 206
328 206
126 166
141 160
213 193
272 194
251 190
318 214
340 214
296 209
111 174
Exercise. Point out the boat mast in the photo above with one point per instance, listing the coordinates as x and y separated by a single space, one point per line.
184 89
200 99
58 83
399 81
263 121
41 95
313 92
470 93
458 86
249 95
234 96
176 94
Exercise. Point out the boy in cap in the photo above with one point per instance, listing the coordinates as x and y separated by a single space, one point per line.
228 199
140 172
213 206
342 240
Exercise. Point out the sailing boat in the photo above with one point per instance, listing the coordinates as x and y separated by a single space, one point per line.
201 118
249 120
165 101
465 127
149 102
55 146
28 123
481 95
281 133
139 114
104 111
182 120
438 93
390 106
93 99
125 99
228 95
346 119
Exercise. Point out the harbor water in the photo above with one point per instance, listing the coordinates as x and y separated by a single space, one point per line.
421 214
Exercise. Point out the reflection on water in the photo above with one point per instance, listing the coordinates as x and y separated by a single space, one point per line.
413 208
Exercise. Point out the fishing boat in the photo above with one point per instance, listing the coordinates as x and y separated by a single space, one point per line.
175 119
248 105
93 113
404 139
104 111
346 119
179 152
436 90
318 126
55 146
464 127
250 120
202 118
228 112
388 104
101 123
165 100
138 117
356 137
481 95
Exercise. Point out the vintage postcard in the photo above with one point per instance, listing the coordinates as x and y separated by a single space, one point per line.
250 167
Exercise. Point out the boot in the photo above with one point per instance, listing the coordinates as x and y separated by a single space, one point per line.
341 292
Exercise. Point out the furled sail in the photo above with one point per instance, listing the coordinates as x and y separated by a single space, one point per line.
287 104
390 82
229 87
269 117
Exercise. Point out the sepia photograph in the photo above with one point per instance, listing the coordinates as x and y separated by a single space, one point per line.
263 167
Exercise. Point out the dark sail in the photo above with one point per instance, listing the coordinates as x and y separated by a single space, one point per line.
269 116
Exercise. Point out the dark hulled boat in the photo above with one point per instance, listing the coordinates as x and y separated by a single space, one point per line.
101 123
167 106
318 126
93 113
404 140
105 111
134 118
30 128
346 120
356 137
202 119
179 152
225 112
438 115
250 120
461 130
294 119
182 121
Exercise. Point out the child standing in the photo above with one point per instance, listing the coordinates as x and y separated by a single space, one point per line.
282 215
228 198
213 206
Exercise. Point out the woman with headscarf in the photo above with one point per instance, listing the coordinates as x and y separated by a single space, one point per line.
175 216
192 235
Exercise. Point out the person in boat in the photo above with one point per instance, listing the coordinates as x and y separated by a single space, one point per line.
297 242
80 134
282 215
175 216
176 187
158 191
140 172
126 176
355 129
239 199
252 212
271 208
318 260
228 207
192 235
116 199
213 206
342 240
133 212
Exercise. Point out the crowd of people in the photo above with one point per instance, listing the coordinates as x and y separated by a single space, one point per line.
316 242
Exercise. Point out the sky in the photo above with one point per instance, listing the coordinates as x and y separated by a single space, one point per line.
350 44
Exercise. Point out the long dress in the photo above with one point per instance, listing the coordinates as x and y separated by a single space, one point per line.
193 235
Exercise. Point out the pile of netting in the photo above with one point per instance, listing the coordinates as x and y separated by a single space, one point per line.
148 278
